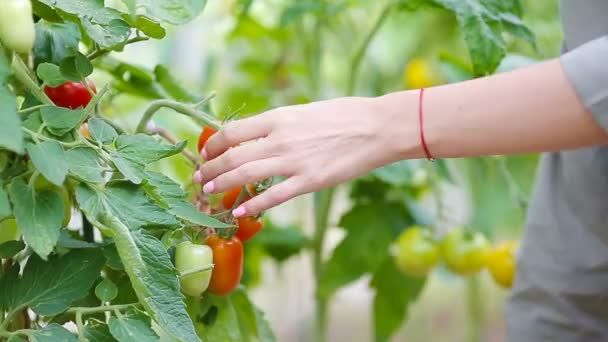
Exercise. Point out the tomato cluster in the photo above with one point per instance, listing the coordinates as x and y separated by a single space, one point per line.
463 252
220 259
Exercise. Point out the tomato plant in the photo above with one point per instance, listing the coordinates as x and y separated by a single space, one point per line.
125 173
464 252
417 252
193 259
71 94
228 264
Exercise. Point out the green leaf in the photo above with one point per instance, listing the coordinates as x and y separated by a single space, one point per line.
516 27
170 195
394 293
112 257
104 25
16 338
50 74
101 131
55 41
153 278
5 205
106 291
482 23
219 320
39 216
135 152
52 333
49 158
84 163
96 331
146 25
133 326
232 318
280 243
251 320
11 136
370 231
398 174
76 68
61 120
174 12
33 121
50 287
10 248
67 241
125 201
172 86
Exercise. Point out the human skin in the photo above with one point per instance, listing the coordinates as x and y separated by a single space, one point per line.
322 144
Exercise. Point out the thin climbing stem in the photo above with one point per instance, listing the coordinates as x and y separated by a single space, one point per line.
200 117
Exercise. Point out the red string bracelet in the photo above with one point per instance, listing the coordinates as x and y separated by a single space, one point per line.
425 147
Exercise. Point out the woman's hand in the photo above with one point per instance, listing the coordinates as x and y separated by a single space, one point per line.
315 146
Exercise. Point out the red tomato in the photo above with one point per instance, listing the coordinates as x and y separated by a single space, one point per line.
228 264
248 227
230 196
205 135
70 94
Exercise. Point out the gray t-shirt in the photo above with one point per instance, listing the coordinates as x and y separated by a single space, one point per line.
561 286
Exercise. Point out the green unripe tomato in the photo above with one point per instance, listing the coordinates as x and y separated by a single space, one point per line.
17 25
188 257
417 252
464 252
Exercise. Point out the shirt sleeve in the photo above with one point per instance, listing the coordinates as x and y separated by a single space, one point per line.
587 69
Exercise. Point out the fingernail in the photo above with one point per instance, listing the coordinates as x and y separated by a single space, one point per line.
198 177
238 212
209 187
204 154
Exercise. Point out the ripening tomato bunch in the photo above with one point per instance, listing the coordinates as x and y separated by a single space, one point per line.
463 252
216 265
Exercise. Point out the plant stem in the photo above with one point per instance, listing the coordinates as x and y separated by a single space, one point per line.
80 326
7 334
22 74
475 308
103 308
30 109
360 52
87 230
322 206
516 193
200 117
102 52
173 140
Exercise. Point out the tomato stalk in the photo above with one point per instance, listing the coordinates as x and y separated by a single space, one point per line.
22 74
360 52
322 206
173 140
102 52
200 117
80 326
475 308
100 309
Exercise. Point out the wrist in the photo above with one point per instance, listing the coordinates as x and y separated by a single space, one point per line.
402 126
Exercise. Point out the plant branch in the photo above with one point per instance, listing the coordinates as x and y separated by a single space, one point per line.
103 308
22 74
102 52
173 140
200 117
362 49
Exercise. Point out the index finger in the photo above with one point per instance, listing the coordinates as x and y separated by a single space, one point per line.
234 133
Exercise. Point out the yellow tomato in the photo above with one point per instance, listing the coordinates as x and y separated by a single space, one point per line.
419 73
501 264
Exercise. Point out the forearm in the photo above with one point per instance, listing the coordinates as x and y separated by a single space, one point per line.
533 109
